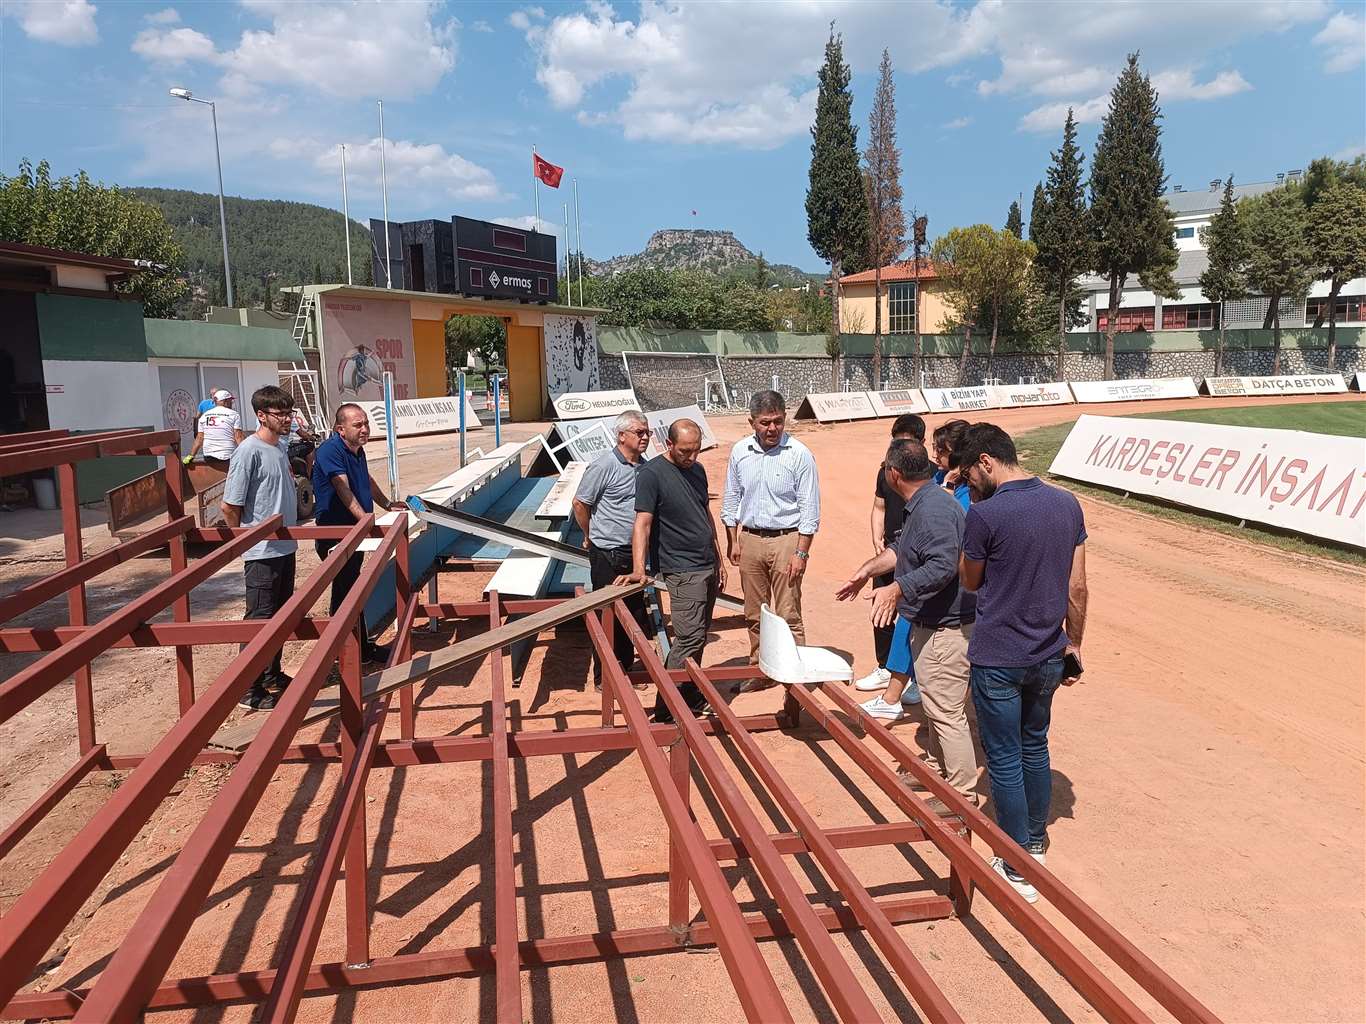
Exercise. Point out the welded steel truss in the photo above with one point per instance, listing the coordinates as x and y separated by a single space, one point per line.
134 979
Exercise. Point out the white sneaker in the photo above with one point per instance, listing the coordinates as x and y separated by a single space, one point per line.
874 680
879 708
1037 851
911 694
1026 890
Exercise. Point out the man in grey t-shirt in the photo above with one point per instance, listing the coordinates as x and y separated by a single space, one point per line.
260 485
605 509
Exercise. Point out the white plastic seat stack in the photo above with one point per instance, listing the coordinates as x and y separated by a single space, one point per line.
781 659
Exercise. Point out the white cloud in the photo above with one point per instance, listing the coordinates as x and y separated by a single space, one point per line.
166 16
411 166
172 46
359 49
521 20
64 22
1051 116
958 122
1344 39
1181 85
481 26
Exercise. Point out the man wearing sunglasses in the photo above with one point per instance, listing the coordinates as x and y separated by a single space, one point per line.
605 509
259 485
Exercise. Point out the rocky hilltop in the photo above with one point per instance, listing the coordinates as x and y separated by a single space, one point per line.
696 249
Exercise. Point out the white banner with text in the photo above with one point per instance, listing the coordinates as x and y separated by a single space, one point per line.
959 399
421 416
1297 384
894 403
1020 396
582 405
1134 390
836 405
661 419
1313 484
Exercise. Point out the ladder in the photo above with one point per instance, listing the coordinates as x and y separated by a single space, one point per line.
299 380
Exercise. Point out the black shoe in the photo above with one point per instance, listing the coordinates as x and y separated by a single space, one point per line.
376 654
279 682
258 698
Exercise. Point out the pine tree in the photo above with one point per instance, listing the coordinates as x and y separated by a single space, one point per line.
1224 280
836 213
1337 243
882 187
1014 220
1130 222
1060 226
1278 264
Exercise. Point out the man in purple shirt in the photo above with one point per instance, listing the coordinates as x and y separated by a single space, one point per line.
1024 553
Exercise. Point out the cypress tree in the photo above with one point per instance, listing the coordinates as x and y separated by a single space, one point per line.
836 212
882 185
1131 224
1060 226
1224 280
1015 221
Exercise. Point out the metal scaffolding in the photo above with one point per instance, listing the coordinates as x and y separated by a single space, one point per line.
135 977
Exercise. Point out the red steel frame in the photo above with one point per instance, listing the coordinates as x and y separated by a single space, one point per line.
134 979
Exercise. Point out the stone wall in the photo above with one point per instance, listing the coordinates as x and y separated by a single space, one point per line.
667 382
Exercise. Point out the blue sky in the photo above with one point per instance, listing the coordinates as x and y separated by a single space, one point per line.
658 109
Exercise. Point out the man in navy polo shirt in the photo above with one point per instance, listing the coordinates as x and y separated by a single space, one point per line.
1024 553
344 493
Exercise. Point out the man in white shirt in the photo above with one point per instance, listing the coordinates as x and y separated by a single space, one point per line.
219 434
771 509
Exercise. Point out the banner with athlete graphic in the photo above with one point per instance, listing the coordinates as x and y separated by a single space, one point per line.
361 339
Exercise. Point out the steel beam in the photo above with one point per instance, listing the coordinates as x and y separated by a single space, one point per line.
748 971
137 968
204 633
52 796
39 915
507 962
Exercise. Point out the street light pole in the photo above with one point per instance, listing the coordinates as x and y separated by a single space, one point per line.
185 94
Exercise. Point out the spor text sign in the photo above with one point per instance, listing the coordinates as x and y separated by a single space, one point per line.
1313 484
1297 384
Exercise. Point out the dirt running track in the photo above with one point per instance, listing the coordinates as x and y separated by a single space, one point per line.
1208 794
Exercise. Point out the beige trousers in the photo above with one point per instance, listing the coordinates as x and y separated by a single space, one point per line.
941 671
763 578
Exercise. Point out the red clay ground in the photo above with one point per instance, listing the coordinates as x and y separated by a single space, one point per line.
1208 793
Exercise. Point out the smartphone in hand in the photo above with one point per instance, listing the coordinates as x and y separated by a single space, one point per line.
1071 666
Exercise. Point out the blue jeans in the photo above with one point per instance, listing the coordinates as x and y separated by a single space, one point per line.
1013 707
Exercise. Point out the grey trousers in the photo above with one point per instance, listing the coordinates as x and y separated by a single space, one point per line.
692 597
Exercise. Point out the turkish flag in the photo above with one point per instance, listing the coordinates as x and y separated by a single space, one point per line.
546 171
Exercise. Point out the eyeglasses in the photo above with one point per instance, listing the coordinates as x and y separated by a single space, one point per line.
278 412
638 433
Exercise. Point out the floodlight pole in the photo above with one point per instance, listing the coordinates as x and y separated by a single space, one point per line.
185 94
346 215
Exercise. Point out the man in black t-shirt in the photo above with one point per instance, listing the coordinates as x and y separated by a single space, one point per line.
885 523
675 536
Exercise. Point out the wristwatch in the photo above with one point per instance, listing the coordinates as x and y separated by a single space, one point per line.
802 554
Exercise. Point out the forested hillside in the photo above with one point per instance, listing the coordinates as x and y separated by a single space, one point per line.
271 243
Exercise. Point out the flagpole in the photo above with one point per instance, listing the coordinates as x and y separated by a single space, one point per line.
578 232
567 286
346 215
534 190
384 190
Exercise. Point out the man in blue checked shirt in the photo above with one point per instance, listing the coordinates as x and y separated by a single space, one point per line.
771 509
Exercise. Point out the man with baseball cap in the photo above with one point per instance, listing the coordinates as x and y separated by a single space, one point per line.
220 432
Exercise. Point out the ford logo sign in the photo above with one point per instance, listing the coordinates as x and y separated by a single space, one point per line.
574 405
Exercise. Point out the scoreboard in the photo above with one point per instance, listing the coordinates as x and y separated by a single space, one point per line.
467 257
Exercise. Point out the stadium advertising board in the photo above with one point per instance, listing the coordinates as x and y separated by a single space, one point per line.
894 403
581 405
421 416
1360 380
1313 484
659 425
587 439
1139 390
830 406
499 261
361 339
958 399
1298 384
1013 396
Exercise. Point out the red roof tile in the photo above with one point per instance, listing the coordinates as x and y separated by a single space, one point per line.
904 271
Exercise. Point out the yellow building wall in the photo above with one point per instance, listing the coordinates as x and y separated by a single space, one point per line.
857 308
429 355
526 372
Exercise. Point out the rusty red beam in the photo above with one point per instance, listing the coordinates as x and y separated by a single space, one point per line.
470 961
507 962
748 971
480 609
1156 982
296 952
931 999
139 965
82 680
27 458
30 438
219 534
52 796
32 681
58 583
39 915
1042 934
848 997
205 632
